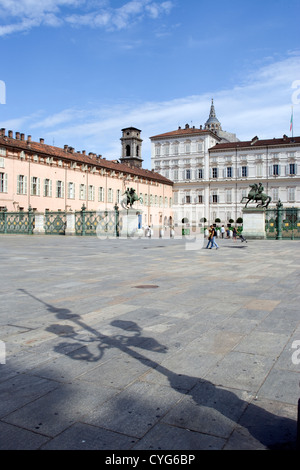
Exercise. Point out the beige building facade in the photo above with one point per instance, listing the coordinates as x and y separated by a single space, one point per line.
48 178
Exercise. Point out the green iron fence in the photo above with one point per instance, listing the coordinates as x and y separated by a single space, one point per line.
101 223
283 223
17 222
55 223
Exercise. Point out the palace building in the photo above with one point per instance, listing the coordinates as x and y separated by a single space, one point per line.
212 170
44 177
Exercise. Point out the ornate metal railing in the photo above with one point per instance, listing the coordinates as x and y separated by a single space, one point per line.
101 223
17 222
55 223
283 223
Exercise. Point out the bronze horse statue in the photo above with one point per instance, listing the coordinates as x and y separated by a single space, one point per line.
256 194
131 197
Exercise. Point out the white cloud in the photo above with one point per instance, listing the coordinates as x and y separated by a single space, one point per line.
260 106
22 15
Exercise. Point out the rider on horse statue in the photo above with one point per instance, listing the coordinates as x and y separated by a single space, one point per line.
256 194
131 197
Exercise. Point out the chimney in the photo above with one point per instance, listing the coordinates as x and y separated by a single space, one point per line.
18 135
22 136
71 149
83 152
41 141
66 147
10 134
2 132
28 138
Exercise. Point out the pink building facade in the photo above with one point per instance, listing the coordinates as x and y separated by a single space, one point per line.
44 177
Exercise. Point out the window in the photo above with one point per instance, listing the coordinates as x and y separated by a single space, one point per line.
200 173
100 194
229 172
34 186
188 174
187 148
200 146
188 199
146 200
175 149
200 198
3 183
259 170
59 189
110 195
156 201
3 151
71 190
292 167
214 198
2 162
119 196
82 192
47 188
244 193
21 184
244 171
175 174
157 150
91 193
228 194
275 170
215 172
291 194
275 194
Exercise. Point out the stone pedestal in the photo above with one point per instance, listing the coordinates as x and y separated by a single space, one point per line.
254 223
39 228
129 223
70 224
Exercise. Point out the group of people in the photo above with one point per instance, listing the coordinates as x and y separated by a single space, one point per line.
212 234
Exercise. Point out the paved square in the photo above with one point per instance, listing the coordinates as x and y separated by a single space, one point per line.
148 344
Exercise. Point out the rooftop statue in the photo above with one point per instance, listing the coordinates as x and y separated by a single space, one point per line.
257 195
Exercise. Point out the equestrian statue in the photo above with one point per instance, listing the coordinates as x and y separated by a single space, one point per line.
131 197
257 195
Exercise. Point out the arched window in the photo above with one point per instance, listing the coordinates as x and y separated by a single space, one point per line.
137 150
127 150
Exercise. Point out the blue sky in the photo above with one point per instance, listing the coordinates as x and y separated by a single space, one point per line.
78 71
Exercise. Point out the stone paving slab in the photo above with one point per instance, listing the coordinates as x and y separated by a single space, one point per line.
145 344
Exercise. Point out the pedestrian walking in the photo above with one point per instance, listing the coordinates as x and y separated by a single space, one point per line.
210 234
222 231
212 238
234 233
